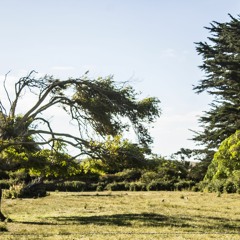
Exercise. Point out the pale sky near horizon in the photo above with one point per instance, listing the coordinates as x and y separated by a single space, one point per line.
149 42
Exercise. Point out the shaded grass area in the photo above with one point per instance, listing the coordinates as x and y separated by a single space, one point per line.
121 215
153 220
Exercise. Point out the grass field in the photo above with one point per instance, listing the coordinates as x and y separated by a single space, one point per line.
124 215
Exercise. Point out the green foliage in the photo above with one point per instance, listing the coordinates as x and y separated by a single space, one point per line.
14 191
93 166
13 158
149 176
21 190
216 185
184 185
117 186
160 185
195 162
43 163
225 166
105 103
129 175
50 163
117 154
221 64
230 186
109 178
226 160
165 169
71 186
137 186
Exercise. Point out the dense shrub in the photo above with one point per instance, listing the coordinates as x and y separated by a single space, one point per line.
86 177
109 178
215 186
196 188
184 185
129 175
149 176
25 191
158 185
223 173
50 186
100 188
33 190
117 186
137 186
71 186
230 187
13 192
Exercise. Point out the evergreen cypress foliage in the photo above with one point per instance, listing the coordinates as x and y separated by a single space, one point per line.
221 64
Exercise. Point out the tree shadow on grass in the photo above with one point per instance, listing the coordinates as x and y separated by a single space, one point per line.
143 219
200 223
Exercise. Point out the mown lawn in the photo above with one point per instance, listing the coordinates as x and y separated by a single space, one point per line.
124 215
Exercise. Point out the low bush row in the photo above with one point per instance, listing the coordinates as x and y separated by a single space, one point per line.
224 185
156 185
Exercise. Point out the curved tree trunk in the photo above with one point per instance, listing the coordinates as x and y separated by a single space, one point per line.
2 217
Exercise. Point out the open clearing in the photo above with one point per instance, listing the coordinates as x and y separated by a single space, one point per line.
124 215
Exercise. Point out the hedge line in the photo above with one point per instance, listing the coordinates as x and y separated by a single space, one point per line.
78 186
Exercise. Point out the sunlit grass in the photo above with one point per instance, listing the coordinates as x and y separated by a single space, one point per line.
124 215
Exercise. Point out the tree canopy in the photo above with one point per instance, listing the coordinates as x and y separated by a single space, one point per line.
223 173
226 160
221 64
97 107
119 154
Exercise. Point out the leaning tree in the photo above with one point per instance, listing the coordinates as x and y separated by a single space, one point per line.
98 107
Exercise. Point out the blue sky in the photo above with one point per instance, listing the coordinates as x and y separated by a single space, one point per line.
149 42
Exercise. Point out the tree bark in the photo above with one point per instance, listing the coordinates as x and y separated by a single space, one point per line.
2 217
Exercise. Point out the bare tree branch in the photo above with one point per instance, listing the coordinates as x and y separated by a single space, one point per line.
5 88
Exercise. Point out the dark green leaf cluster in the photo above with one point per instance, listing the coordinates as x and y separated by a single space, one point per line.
221 64
224 171
106 105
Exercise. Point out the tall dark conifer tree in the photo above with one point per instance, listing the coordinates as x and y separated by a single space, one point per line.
221 64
